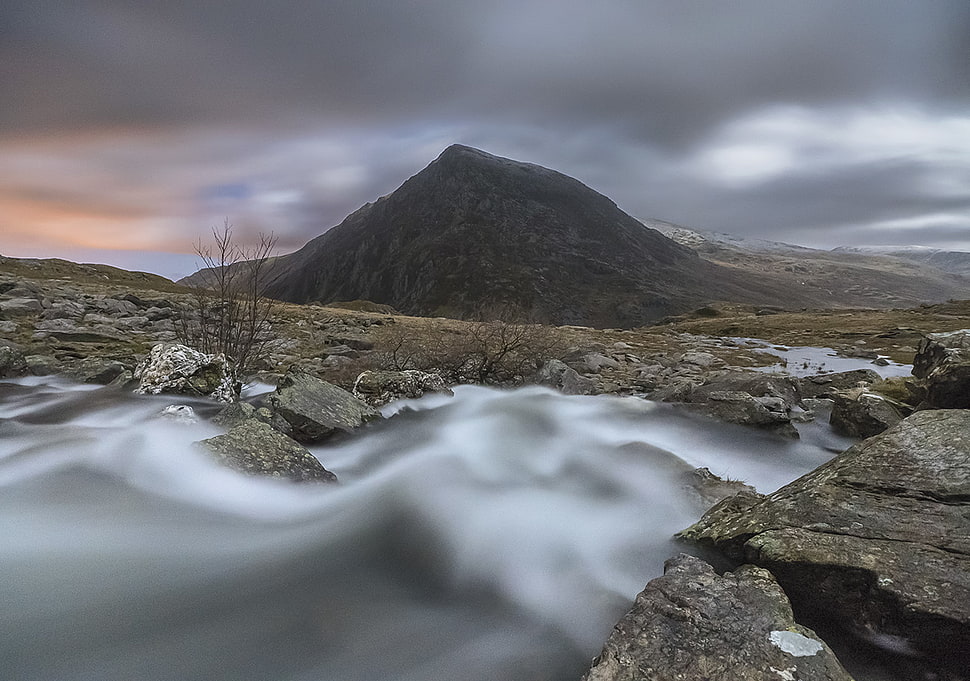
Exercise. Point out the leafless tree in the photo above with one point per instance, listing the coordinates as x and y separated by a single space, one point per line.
228 314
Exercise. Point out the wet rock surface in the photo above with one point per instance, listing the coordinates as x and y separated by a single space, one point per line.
878 538
693 625
314 410
256 447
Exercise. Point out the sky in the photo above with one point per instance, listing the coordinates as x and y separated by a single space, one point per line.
129 129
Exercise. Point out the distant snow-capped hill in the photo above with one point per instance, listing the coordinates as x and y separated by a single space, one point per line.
701 240
955 262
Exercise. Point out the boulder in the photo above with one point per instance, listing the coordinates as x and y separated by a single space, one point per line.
693 625
314 410
256 447
178 369
558 375
943 361
878 538
238 412
21 307
97 370
747 398
377 388
823 385
12 361
42 365
861 413
68 330
594 362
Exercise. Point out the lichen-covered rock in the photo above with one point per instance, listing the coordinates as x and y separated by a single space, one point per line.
314 410
174 368
377 388
693 625
878 538
943 361
12 361
255 447
860 413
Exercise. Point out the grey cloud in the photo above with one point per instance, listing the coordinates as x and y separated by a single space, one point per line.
615 94
657 71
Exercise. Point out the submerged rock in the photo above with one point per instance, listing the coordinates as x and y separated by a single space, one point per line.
693 625
314 410
943 361
878 538
377 388
179 413
178 369
255 447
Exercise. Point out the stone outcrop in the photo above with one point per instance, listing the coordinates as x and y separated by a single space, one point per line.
748 398
314 410
256 447
693 625
377 388
174 368
943 362
557 374
879 537
861 413
824 385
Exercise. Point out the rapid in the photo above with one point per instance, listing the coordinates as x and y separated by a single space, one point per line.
492 535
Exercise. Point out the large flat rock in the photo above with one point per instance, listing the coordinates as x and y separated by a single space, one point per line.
313 410
693 625
878 538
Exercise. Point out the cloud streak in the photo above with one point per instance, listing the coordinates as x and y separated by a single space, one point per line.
139 125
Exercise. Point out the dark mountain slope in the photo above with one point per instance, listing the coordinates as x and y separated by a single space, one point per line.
473 233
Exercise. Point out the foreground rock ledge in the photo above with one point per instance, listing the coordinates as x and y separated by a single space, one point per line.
693 625
878 538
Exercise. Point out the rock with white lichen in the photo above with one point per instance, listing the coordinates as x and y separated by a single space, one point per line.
692 624
178 369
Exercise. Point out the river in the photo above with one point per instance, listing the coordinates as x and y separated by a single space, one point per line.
493 535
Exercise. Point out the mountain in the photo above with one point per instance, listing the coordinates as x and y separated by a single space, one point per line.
473 234
955 262
857 277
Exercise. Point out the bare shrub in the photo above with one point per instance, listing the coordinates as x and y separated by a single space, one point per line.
489 352
228 314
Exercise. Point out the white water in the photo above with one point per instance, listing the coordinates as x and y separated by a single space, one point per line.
493 535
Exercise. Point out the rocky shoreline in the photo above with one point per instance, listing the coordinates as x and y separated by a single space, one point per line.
878 538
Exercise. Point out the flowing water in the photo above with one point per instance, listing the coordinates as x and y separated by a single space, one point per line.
491 535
